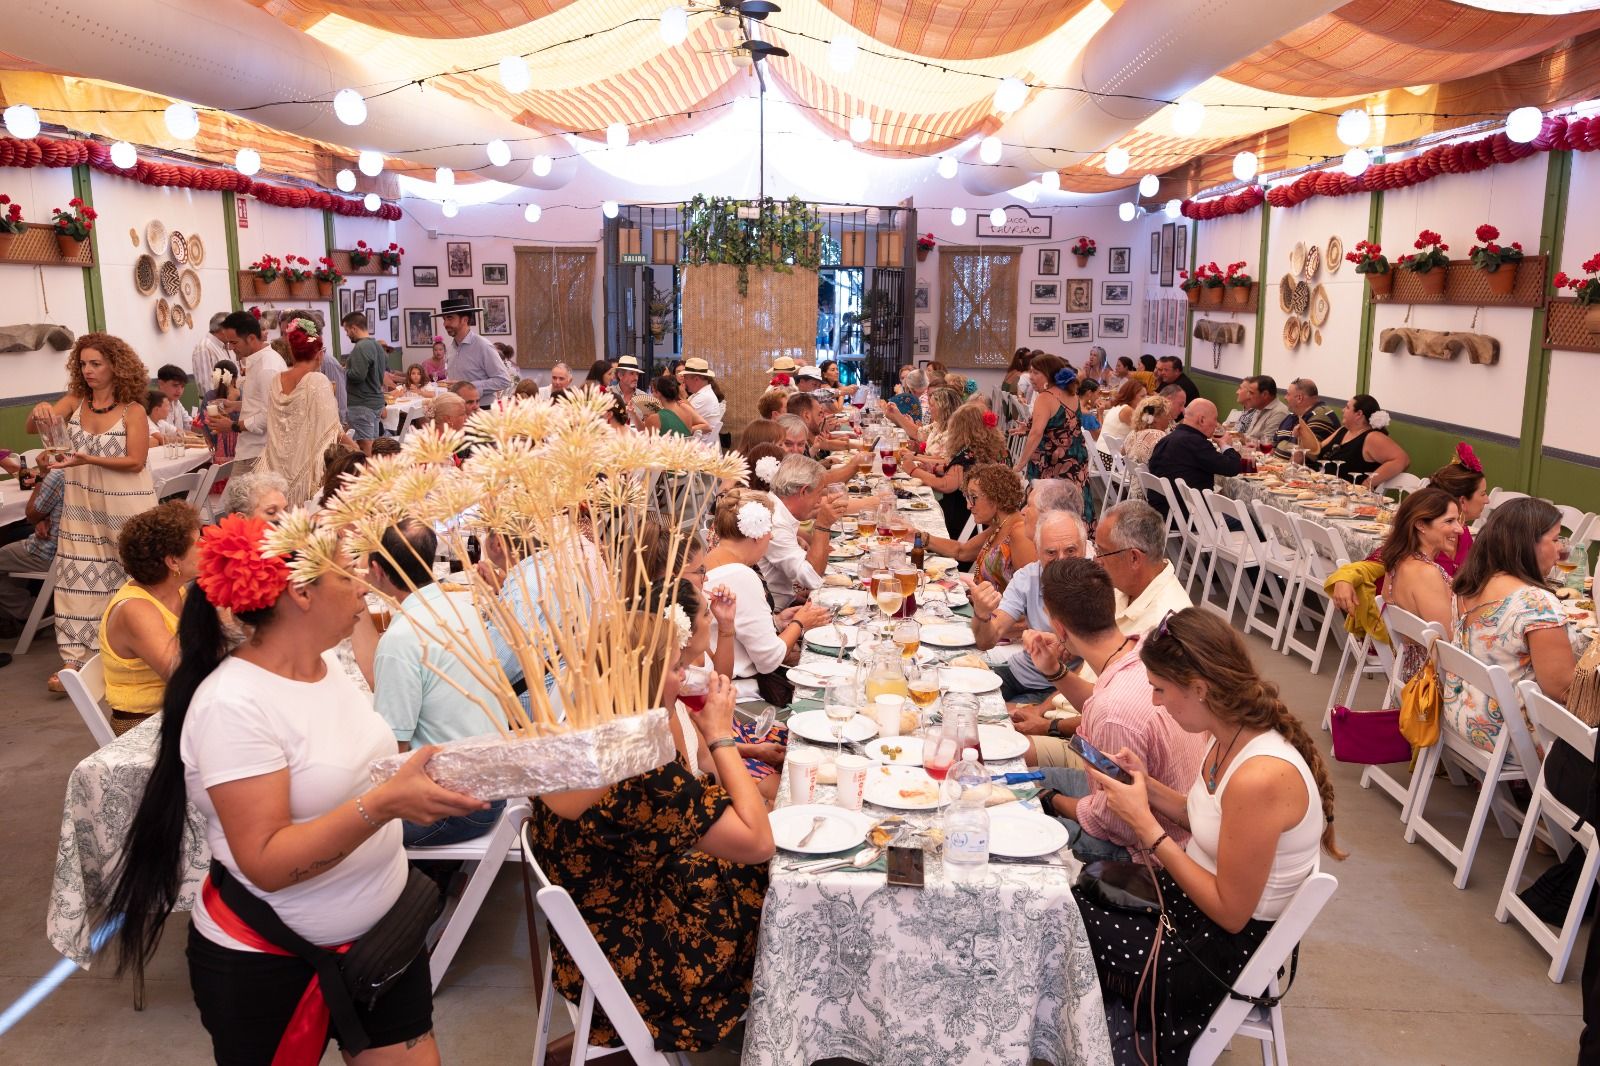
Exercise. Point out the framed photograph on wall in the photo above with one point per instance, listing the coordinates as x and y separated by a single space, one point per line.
1077 331
419 327
1080 295
1114 327
496 274
459 294
1180 247
1049 262
1167 231
1046 292
922 296
458 255
1155 252
394 299
1120 261
1116 292
372 289
383 309
358 300
497 316
1151 328
394 330
425 277
344 303
1044 325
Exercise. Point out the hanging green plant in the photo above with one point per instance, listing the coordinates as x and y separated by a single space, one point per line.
776 236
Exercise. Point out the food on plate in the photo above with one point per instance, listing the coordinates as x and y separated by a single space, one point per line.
919 792
1337 511
1566 592
880 835
909 722
838 581
1587 605
971 660
892 752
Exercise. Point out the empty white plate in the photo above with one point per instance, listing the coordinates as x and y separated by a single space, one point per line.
815 727
967 679
999 742
838 597
903 788
820 672
838 636
840 829
1015 832
949 635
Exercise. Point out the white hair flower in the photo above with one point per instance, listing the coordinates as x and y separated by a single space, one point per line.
220 377
680 621
1379 419
755 521
767 468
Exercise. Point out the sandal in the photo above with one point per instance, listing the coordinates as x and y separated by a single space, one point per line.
55 686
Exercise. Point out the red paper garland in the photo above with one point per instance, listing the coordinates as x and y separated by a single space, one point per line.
1558 135
52 152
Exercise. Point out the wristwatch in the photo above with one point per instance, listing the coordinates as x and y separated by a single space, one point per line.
1054 729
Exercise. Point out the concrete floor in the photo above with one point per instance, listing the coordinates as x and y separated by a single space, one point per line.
1400 969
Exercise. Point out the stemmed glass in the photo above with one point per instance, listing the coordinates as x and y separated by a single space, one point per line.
922 685
1566 561
1336 464
886 594
839 704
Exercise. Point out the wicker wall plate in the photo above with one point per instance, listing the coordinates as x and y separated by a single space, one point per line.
1313 262
155 235
144 274
197 250
163 315
133 235
1306 329
189 289
1286 294
1291 332
1297 258
1467 286
1320 305
179 316
1302 298
179 246
1317 336
169 279
1335 256
1565 326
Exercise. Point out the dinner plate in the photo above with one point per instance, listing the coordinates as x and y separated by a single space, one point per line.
840 829
998 742
1015 832
894 751
820 673
914 505
815 727
903 788
838 597
967 679
948 636
1372 528
838 637
846 551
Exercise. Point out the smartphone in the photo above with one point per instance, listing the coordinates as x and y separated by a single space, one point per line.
905 867
1095 758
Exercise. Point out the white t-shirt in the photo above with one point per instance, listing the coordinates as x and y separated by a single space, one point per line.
757 648
785 565
245 722
708 407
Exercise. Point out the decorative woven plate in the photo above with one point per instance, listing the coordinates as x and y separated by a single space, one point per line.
178 315
1291 332
144 274
155 235
1305 331
1319 305
1302 298
1317 336
1297 258
180 247
197 251
1286 293
1335 256
169 279
189 289
1313 262
163 315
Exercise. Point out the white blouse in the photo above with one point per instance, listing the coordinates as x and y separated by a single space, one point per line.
757 648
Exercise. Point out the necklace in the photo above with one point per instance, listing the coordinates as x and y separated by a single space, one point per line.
1125 642
107 409
1216 765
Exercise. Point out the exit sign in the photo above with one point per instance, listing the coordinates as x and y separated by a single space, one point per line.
632 257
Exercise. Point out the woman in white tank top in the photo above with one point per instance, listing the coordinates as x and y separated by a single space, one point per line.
1260 812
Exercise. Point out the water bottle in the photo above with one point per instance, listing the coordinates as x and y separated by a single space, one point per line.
966 821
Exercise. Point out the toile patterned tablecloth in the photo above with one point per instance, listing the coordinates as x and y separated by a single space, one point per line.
1359 542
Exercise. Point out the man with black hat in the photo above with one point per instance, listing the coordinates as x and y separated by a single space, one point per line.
473 358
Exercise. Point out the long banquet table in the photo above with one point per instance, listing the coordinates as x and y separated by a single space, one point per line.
1361 536
14 499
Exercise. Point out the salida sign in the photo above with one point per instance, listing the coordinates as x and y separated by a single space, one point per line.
1020 222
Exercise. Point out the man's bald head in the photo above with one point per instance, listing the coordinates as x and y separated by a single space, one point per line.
1202 415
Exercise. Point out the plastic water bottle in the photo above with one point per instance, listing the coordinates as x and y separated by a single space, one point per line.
966 821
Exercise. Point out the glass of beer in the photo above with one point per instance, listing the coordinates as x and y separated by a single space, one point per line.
908 637
865 524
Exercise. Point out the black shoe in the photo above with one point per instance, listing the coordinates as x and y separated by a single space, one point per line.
5 659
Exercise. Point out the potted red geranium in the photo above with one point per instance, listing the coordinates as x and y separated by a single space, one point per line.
1374 266
1238 285
72 226
925 245
360 255
1082 250
1191 286
263 272
11 224
1211 282
1586 290
1491 256
328 277
297 272
1429 263
389 258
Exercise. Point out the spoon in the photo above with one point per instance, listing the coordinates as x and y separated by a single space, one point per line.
861 860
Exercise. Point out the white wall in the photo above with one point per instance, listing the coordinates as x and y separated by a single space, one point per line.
30 294
1224 241
377 233
1332 364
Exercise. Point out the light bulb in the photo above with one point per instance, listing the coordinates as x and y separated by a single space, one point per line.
610 208
997 217
449 208
371 202
514 74
958 216
1051 180
247 161
947 166
1244 166
349 107
872 213
532 212
369 163
989 149
182 121
617 135
499 152
860 128
444 177
1354 126
1356 162
842 54
123 156
1125 211
1116 160
1524 124
541 165
674 25
1010 94
346 180
1149 185
1173 209
726 23
22 122
1187 117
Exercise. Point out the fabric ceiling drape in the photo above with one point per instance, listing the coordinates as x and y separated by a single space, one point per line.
554 312
977 305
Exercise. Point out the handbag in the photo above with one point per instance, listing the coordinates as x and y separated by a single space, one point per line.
1370 737
1583 697
1121 885
775 688
1422 703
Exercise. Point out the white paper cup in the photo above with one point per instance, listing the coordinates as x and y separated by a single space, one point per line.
852 780
803 764
886 709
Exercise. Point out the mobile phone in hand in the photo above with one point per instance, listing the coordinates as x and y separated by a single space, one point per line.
1099 761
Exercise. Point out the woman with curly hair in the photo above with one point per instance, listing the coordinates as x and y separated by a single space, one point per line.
302 416
969 440
1152 419
996 496
107 483
138 632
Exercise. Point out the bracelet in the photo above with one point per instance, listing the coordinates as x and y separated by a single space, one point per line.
1152 848
722 742
1054 728
1047 799
361 809
1061 672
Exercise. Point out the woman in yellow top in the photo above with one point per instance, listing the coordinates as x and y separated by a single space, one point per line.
138 648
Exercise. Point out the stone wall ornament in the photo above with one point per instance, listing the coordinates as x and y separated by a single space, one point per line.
33 336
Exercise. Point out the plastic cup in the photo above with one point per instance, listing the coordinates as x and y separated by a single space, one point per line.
803 764
852 781
886 709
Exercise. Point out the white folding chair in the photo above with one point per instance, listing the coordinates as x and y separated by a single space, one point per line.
487 854
1400 486
1404 628
183 485
87 688
215 473
1574 523
43 611
558 916
1552 722
1361 657
1179 535
1259 979
1232 547
1014 448
1322 552
1507 761
1098 471
1278 552
1199 537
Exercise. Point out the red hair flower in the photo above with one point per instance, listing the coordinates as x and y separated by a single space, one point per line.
233 572
991 419
1467 458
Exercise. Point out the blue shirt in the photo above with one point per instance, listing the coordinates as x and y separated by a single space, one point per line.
1024 599
52 491
520 595
420 707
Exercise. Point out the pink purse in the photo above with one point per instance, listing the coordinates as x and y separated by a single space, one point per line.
1369 737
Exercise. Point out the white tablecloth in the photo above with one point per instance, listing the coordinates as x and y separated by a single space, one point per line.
1358 542
14 501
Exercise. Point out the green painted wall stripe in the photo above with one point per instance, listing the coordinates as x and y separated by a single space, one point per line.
1552 230
230 233
94 299
1189 312
333 312
1368 308
1261 286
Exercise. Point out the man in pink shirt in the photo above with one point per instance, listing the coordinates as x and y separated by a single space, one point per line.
1081 602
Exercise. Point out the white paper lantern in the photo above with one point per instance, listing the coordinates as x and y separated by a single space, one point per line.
1188 117
1116 160
1356 162
541 165
617 135
1010 94
532 212
1149 185
727 23
499 152
182 121
842 54
449 208
1051 180
1524 124
958 216
349 107
371 202
124 157
1126 211
246 161
674 25
346 180
860 128
1244 166
947 166
514 74
610 208
1173 208
997 217
989 149
1354 126
369 163
22 122
444 177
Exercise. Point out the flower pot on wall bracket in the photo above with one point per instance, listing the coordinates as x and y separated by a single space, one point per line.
1381 284
1211 296
1502 282
1083 261
68 245
1432 282
1194 296
1591 318
1238 295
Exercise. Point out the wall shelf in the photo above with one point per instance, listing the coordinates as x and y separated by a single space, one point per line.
1249 307
1467 286
1564 326
280 291
341 260
36 246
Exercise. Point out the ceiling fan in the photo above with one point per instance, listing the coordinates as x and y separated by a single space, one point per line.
730 13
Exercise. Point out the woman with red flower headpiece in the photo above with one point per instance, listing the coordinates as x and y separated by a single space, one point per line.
302 415
272 742
1463 479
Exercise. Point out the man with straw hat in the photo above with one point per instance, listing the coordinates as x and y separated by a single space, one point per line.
473 358
701 385
627 385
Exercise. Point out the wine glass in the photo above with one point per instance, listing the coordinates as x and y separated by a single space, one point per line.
839 702
692 693
1566 560
1337 465
886 594
908 636
922 685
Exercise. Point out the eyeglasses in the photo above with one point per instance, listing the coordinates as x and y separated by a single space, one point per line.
1101 556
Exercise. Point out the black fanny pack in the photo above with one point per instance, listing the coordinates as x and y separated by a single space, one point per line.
1121 885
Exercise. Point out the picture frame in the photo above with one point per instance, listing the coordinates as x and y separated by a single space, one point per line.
496 274
1168 230
372 289
1077 331
419 327
1114 327
1155 251
425 277
496 317
383 309
1044 325
1152 321
394 329
1049 262
459 294
1116 292
1080 295
358 300
1180 247
922 296
344 303
1119 261
394 300
1046 292
458 257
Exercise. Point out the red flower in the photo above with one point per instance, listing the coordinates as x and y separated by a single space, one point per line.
233 572
363 244
991 419
1561 279
75 202
1427 236
1517 245
4 199
1183 273
1487 232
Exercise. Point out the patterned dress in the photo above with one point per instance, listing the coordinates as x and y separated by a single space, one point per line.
1062 454
1497 634
678 926
97 502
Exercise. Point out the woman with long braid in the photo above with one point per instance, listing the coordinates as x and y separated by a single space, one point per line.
1260 813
